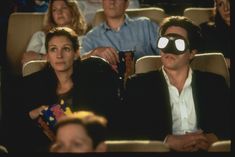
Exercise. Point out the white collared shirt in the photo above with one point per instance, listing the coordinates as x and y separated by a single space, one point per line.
182 106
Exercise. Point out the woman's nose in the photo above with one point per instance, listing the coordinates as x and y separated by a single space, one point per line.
59 54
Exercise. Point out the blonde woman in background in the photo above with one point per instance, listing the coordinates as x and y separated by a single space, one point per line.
60 13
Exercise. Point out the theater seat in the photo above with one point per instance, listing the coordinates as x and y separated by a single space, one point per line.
155 14
220 146
210 62
33 66
199 15
21 26
136 146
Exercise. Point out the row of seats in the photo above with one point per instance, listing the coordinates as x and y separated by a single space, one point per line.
198 15
209 62
158 146
21 26
150 146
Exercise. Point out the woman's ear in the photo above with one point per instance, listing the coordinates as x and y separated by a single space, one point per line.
101 147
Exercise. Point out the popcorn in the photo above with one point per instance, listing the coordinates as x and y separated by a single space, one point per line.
49 117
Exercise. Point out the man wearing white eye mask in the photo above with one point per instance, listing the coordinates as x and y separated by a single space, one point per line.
185 108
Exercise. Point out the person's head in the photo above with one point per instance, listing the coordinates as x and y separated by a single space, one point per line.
223 10
63 13
179 41
62 48
115 8
80 132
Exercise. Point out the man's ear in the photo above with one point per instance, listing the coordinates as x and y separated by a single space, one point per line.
101 147
193 53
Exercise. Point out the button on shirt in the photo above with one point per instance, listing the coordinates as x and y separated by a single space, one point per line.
139 34
182 106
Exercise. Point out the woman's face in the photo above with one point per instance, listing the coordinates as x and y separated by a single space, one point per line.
61 54
223 7
61 13
72 138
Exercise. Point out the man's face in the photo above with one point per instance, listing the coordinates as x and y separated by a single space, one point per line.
72 138
173 61
114 8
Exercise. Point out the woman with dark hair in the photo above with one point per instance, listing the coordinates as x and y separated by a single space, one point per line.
217 33
81 85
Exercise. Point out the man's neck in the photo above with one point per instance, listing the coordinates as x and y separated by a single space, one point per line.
115 23
177 77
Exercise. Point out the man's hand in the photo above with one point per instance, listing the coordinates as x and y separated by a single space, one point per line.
108 53
189 142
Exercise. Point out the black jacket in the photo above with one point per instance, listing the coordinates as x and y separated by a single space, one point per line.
149 112
95 89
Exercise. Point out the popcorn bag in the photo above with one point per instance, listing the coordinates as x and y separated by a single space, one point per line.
49 117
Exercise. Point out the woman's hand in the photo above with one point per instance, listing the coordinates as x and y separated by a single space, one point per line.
36 112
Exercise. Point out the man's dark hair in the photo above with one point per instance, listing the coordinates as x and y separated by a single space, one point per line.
193 31
94 125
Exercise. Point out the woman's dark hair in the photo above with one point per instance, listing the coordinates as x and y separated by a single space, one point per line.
193 31
63 31
94 125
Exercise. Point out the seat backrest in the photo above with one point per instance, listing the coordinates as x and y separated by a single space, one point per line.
155 14
136 146
199 15
209 62
220 146
21 27
37 65
33 66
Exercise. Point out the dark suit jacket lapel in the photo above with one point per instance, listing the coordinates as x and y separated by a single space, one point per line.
195 97
166 95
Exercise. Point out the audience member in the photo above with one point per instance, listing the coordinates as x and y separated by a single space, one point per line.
40 5
83 85
176 103
120 33
80 132
217 33
60 13
89 7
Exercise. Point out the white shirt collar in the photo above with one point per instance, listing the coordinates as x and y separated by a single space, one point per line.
187 82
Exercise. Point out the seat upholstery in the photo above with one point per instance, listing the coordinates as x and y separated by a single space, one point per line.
220 146
199 15
33 66
20 29
210 62
36 65
155 14
136 146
